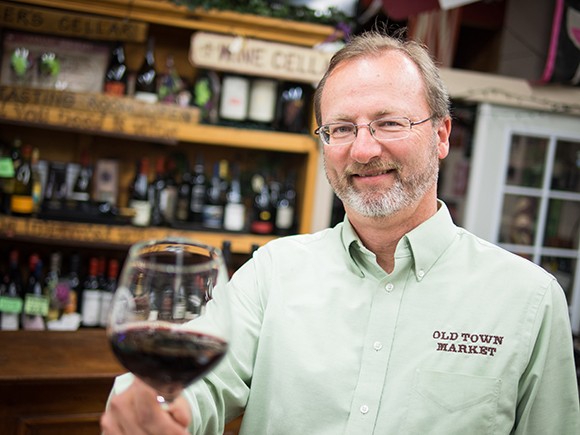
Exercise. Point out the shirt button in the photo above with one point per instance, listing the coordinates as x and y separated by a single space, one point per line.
389 287
364 409
377 345
421 273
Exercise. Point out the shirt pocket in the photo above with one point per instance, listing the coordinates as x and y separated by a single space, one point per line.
450 403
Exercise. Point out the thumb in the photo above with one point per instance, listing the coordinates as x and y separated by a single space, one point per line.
179 410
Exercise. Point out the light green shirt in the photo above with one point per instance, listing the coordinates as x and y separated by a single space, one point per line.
461 338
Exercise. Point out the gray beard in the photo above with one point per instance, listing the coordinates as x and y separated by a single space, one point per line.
403 194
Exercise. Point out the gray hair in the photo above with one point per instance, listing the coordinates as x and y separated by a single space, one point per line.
373 43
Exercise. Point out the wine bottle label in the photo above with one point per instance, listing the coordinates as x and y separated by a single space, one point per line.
142 217
22 204
262 100
9 322
213 216
284 217
115 88
35 305
147 97
234 98
91 308
234 217
10 304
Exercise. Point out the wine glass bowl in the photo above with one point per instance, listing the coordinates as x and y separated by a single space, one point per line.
159 328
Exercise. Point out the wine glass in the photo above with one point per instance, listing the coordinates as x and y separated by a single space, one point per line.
166 325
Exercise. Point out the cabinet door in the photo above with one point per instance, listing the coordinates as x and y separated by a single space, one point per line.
524 190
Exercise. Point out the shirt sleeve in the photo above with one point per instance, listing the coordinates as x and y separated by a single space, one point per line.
222 395
548 389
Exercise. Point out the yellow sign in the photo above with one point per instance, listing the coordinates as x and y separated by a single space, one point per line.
34 19
257 58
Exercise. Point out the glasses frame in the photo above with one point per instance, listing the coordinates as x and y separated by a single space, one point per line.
320 131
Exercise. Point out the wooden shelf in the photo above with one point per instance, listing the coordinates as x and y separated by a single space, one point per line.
121 236
167 13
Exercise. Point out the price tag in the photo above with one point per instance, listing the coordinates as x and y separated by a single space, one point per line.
35 305
10 305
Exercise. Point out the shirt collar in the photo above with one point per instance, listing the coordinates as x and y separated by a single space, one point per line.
425 243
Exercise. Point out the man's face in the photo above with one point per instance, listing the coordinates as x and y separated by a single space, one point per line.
374 178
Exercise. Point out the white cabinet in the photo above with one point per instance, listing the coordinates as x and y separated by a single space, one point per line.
524 190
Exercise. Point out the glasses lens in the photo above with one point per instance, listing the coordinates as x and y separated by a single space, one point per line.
390 128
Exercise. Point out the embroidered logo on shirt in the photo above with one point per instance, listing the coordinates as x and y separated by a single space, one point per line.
466 342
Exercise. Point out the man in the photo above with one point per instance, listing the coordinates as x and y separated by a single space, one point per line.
395 321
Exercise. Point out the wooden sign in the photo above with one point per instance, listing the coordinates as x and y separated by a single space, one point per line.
257 58
96 112
34 19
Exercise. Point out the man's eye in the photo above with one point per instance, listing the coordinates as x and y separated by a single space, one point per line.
389 124
341 129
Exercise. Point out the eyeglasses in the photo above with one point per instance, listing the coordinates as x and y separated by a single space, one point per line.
382 129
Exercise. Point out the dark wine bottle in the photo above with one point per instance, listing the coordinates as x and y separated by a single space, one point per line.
35 303
146 80
213 209
293 109
198 189
183 194
11 298
155 190
21 203
116 75
54 290
107 291
139 195
262 212
286 208
81 190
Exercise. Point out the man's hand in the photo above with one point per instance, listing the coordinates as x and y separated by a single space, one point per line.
136 411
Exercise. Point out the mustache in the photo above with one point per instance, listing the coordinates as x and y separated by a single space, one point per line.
372 167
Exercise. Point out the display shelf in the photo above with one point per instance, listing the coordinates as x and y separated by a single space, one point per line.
167 13
116 236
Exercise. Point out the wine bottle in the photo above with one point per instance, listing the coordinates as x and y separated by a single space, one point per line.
146 80
206 95
198 189
262 102
234 98
285 208
117 73
235 209
91 296
74 283
293 109
108 290
81 190
183 194
139 191
262 213
21 203
213 209
35 302
155 190
11 298
55 290
6 180
36 182
168 196
170 83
